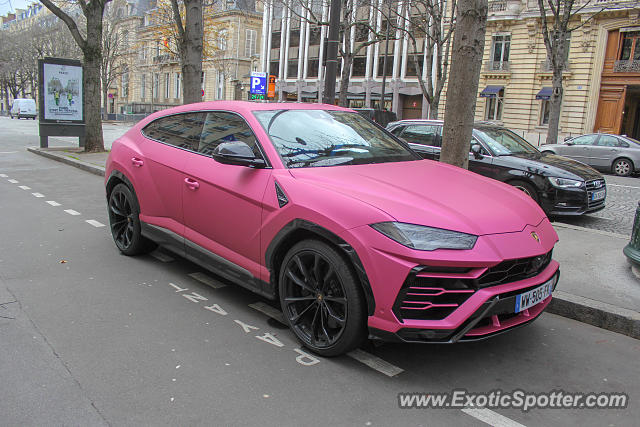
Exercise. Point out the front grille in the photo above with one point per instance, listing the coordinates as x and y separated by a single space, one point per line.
592 186
434 298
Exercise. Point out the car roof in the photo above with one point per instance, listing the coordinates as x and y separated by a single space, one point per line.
440 122
248 106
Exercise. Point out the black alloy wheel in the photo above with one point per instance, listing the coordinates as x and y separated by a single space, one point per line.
321 299
125 223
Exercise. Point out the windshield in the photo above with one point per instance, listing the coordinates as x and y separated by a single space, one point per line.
503 142
313 138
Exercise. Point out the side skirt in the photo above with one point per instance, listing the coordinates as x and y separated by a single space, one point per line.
206 259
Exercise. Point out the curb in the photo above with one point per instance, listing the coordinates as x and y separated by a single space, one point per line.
88 167
585 310
596 313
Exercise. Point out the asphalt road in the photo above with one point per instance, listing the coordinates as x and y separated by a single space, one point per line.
91 337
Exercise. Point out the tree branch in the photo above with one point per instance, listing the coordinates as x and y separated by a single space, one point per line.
70 23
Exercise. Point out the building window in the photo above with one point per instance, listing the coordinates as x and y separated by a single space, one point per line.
630 46
545 108
250 43
222 40
362 32
314 36
292 69
176 86
143 86
359 66
274 67
275 39
294 38
167 85
493 109
500 52
125 82
412 62
389 65
312 68
156 85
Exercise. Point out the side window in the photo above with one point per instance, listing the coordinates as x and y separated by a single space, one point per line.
585 140
397 130
180 130
423 135
611 141
222 127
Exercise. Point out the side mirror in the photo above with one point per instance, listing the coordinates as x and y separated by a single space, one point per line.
569 143
237 153
476 149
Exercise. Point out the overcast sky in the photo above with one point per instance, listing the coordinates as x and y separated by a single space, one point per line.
7 6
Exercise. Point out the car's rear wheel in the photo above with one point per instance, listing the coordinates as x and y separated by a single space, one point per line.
124 221
526 188
622 167
321 299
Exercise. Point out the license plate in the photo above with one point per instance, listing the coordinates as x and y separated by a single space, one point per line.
534 296
598 195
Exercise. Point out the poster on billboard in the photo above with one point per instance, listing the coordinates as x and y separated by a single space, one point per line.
61 91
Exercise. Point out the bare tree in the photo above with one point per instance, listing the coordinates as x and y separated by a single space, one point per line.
556 40
90 42
113 52
466 61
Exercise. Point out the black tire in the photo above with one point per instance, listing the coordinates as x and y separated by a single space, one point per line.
124 222
622 167
321 299
526 188
548 152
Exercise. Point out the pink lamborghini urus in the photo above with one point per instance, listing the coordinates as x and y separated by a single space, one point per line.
343 223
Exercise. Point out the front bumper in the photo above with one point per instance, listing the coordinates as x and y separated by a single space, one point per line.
485 308
573 201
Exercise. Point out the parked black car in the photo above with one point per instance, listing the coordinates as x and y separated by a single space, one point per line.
561 186
382 117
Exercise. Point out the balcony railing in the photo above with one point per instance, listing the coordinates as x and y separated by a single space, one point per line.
164 59
497 5
545 66
496 66
627 66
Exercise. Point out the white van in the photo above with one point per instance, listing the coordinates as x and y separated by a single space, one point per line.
23 108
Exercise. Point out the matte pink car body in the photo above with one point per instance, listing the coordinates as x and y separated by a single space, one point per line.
234 213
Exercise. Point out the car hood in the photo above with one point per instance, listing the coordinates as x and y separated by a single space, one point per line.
430 193
554 165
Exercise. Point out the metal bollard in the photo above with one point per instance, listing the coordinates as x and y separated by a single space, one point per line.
632 250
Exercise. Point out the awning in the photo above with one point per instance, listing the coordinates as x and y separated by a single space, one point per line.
410 90
545 93
491 91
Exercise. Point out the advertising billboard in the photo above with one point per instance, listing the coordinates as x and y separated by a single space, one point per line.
61 91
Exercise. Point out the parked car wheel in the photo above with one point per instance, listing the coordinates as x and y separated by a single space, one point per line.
526 188
622 167
321 299
124 220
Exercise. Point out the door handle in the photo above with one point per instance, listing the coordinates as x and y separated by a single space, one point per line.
137 162
192 184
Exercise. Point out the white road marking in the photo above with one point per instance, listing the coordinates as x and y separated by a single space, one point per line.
271 339
216 309
245 326
37 195
13 181
3 175
269 311
72 212
490 417
195 297
201 277
305 358
624 186
375 362
95 223
178 289
53 203
161 256
24 187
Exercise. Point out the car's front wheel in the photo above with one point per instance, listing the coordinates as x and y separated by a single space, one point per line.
124 221
526 188
321 299
622 167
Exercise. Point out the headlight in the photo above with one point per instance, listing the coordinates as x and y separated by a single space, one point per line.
564 182
425 238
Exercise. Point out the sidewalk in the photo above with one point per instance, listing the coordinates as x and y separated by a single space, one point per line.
596 283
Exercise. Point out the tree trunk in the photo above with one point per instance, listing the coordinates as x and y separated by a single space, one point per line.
555 103
191 48
466 61
92 52
345 78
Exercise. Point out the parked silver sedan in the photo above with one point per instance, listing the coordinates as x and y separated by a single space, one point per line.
611 153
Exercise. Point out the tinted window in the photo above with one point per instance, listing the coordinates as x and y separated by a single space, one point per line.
305 138
585 140
225 127
180 130
423 135
397 130
611 141
503 142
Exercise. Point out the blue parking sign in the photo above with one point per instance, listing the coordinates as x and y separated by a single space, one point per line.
258 83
